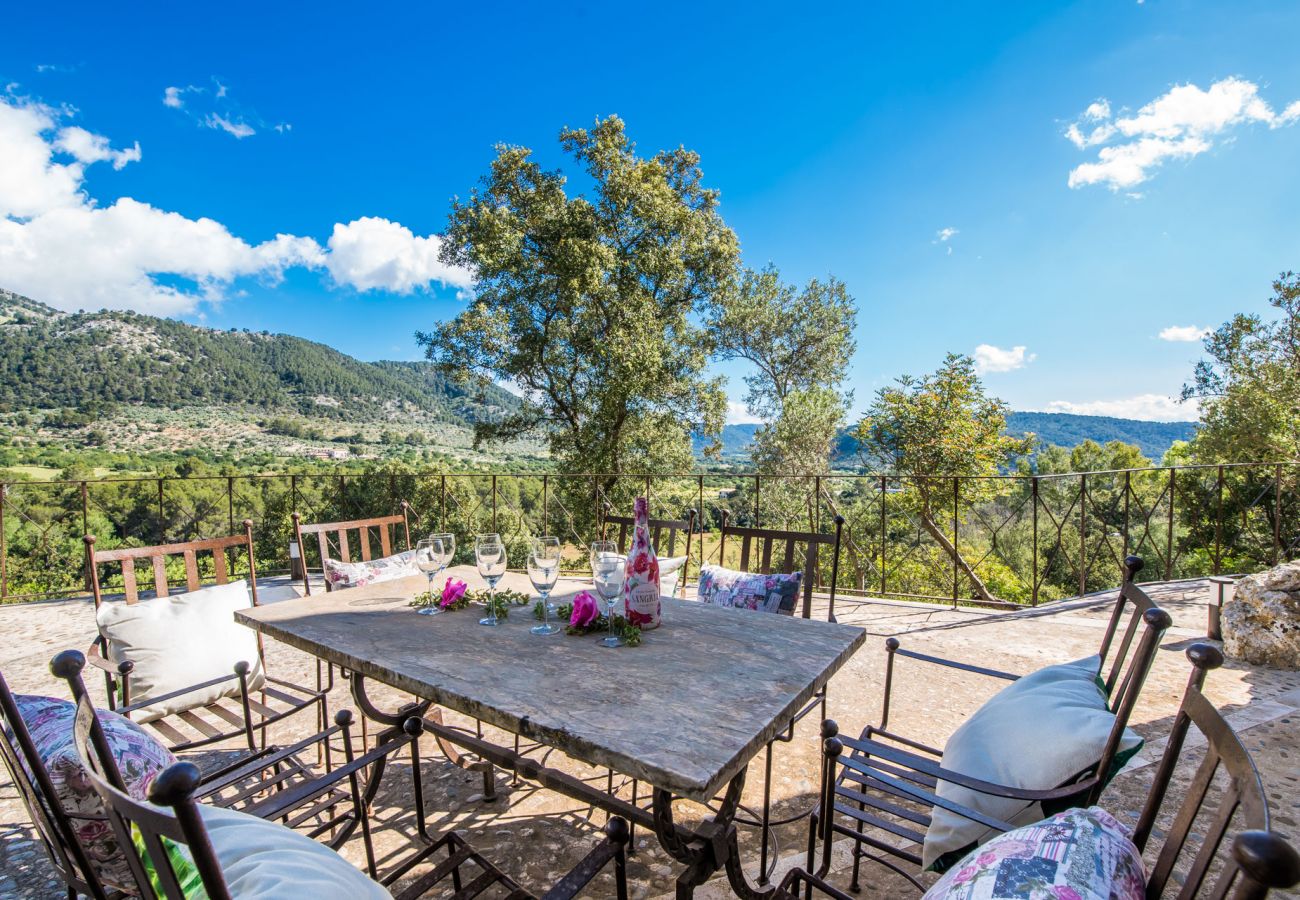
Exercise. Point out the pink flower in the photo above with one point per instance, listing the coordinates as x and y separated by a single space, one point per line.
585 611
1064 892
641 565
452 591
964 875
987 857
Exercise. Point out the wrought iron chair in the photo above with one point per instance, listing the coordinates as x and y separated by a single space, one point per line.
887 780
54 826
626 524
226 718
273 783
333 540
1258 860
173 815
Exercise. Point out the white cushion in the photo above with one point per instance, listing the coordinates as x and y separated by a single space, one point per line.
182 640
386 568
669 572
267 859
1037 733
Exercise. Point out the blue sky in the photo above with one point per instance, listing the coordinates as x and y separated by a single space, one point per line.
922 154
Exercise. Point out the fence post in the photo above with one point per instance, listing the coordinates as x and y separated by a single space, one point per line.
884 492
162 519
1034 543
442 501
1218 525
343 494
817 520
647 494
700 520
1128 490
1083 534
1169 531
4 546
293 493
1277 514
230 501
758 519
595 505
494 505
546 500
956 551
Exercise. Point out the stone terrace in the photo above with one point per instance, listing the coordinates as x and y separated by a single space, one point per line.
535 835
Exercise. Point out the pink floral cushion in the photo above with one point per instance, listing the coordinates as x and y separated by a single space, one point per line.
140 758
357 574
1080 854
745 590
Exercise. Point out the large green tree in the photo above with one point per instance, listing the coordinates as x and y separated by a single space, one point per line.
586 301
931 429
1249 386
799 343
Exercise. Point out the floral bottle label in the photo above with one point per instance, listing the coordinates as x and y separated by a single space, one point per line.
641 604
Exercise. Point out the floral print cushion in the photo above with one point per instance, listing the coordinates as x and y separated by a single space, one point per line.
140 758
357 574
744 590
1080 854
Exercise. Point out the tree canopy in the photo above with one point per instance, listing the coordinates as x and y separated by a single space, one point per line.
585 302
1249 386
935 427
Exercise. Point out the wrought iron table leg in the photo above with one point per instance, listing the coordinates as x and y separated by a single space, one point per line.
393 722
713 847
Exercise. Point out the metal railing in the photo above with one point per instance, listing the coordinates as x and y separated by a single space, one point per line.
1026 538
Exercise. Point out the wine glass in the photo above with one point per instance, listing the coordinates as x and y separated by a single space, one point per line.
448 547
428 559
544 571
608 567
490 554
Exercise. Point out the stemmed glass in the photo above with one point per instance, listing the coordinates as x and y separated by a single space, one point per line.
432 555
608 567
544 571
490 554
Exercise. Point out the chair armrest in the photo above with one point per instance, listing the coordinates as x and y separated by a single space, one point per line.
953 664
612 847
177 693
871 749
95 656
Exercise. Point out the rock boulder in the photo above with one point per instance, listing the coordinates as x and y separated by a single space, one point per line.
1261 624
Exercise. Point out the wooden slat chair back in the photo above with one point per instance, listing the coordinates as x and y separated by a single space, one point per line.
1131 606
224 719
337 540
1259 860
627 524
768 550
155 561
54 825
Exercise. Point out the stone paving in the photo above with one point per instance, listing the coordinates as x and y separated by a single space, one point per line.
537 835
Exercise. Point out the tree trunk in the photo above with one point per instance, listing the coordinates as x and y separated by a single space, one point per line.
927 520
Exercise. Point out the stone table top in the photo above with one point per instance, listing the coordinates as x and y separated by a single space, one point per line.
684 711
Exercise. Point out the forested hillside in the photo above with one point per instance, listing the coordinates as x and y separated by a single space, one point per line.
50 360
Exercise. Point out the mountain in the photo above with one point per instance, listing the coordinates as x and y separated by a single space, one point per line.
51 359
1068 430
1062 429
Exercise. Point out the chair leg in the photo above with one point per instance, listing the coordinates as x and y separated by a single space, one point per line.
631 826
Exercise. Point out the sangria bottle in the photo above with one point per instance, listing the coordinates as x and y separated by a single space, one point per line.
641 603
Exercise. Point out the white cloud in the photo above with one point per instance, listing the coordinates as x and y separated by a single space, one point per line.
989 358
87 148
373 253
1184 333
1150 407
240 129
1180 124
172 96
59 246
739 414
946 234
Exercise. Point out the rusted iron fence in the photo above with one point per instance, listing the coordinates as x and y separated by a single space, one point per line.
1016 539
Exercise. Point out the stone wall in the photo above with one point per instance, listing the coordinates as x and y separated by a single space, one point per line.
1261 624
